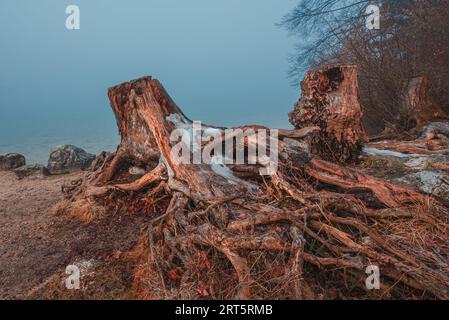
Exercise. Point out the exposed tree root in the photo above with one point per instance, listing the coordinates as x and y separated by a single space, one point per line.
310 225
387 194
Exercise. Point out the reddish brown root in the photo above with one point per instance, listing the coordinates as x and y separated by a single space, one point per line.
282 236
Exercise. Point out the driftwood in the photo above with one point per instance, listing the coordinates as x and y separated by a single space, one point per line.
226 231
330 100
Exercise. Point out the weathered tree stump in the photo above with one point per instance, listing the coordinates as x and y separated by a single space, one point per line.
330 100
419 107
147 116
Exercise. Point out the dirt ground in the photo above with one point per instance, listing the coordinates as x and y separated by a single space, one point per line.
36 246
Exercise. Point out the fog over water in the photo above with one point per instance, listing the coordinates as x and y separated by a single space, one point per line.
223 62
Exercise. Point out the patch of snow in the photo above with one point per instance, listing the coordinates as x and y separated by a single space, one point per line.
387 153
178 120
218 166
211 132
170 172
190 131
420 163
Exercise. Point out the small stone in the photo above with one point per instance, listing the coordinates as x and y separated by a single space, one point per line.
11 161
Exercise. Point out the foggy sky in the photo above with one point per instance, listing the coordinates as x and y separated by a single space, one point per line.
223 61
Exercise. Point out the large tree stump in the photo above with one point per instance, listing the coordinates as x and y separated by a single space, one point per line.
330 100
419 107
146 117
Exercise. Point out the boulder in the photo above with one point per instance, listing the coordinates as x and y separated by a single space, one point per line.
32 170
11 161
68 158
430 182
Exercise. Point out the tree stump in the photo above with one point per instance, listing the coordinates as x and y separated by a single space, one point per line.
147 117
330 100
419 107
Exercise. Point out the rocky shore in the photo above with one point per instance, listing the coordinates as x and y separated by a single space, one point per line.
36 245
62 159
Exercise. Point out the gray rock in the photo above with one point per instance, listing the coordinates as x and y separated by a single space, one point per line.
68 158
32 170
420 163
430 182
11 161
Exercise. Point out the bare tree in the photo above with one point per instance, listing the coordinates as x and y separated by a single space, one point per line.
412 41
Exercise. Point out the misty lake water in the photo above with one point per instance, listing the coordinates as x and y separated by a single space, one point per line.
34 137
34 133
36 149
223 62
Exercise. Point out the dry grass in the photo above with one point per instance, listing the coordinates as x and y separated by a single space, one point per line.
341 238
105 281
80 209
